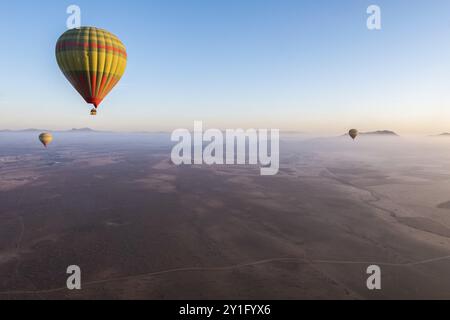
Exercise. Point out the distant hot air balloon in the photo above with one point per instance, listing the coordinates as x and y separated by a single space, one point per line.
93 60
46 138
353 133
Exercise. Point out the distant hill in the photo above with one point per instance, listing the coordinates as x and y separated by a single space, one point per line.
380 133
445 134
45 130
32 130
25 130
385 133
82 130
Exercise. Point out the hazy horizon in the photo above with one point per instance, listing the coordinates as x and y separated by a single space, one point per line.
284 132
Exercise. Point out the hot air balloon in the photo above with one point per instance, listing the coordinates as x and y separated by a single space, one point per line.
353 133
93 60
46 138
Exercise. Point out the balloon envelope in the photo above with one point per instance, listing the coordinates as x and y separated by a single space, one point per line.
93 60
46 139
353 133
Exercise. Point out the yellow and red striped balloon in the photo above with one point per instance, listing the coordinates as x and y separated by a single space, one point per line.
93 60
46 138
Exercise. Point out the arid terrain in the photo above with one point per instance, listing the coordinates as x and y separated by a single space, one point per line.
141 228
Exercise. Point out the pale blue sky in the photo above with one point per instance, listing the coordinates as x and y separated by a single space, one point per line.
291 64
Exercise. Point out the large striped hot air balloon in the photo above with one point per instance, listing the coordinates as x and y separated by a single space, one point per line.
93 60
